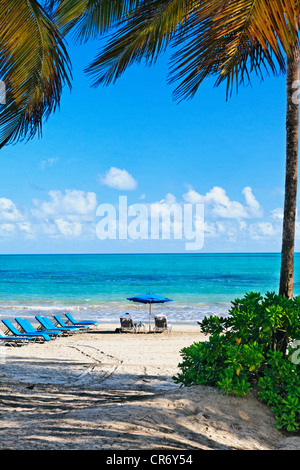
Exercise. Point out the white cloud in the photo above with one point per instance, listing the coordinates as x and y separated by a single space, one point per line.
71 214
266 228
193 197
26 228
210 229
48 163
71 203
118 179
263 229
242 225
7 230
277 214
14 220
220 205
69 229
9 211
169 199
253 206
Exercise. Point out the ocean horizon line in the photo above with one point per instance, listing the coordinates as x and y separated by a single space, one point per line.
147 253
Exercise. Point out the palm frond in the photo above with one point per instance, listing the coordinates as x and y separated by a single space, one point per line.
50 5
231 39
225 39
89 18
146 34
34 67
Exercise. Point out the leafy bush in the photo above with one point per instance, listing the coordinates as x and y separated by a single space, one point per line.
253 348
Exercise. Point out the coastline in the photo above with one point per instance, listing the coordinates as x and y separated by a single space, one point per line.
102 390
110 312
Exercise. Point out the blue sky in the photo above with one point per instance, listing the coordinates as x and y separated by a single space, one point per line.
131 139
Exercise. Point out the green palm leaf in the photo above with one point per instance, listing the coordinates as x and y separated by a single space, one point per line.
227 39
231 39
34 67
144 36
89 18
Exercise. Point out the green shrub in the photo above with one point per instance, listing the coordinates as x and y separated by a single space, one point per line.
252 348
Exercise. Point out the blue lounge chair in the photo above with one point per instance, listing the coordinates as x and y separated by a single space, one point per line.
47 325
67 329
28 328
41 337
14 340
71 320
61 324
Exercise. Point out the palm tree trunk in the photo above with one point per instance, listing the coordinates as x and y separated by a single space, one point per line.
289 218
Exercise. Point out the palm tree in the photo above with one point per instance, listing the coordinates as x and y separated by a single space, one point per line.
34 67
224 39
292 139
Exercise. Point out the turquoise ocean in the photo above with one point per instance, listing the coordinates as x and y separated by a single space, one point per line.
97 286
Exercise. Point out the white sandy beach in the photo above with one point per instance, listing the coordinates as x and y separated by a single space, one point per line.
104 390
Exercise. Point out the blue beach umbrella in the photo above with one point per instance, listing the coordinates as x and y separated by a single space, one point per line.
149 299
